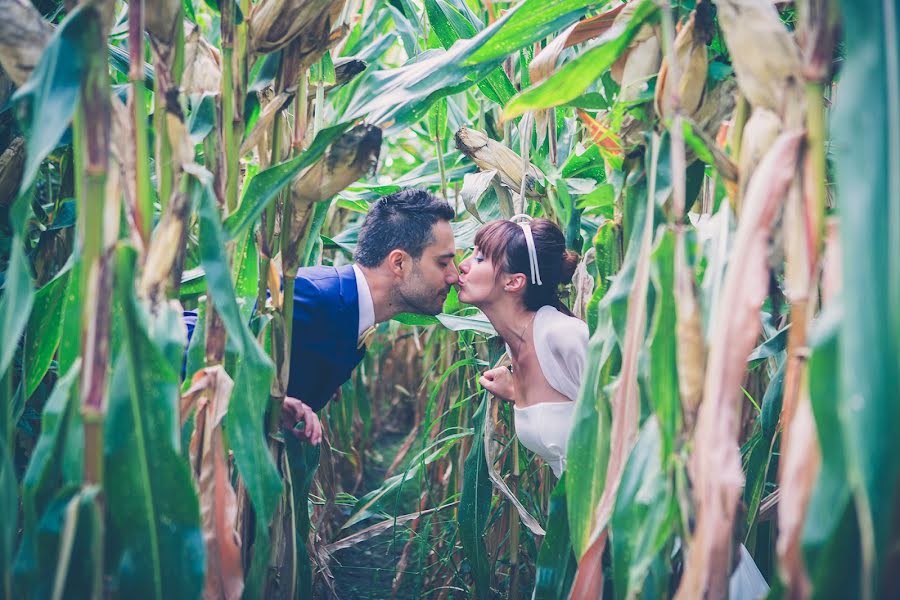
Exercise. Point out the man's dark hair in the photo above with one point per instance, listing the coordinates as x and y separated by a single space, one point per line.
403 221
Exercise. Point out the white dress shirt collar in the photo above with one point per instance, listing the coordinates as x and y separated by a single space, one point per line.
366 307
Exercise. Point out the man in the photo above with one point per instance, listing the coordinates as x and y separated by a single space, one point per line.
404 263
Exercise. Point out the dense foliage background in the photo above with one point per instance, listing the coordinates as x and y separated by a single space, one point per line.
729 171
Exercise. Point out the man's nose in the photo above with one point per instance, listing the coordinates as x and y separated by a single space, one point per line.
453 277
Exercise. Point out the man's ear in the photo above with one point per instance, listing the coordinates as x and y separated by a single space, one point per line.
398 261
514 283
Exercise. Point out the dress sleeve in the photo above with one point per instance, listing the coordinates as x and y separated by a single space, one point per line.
561 344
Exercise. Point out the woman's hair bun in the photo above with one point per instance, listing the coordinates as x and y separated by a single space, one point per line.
570 261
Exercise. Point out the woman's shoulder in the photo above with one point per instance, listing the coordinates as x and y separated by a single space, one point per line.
560 331
561 343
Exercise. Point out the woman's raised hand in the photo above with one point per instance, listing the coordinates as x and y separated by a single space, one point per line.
499 381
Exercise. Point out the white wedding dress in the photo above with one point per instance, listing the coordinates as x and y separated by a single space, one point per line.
560 344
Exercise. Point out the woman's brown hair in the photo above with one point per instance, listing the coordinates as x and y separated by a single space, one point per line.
504 243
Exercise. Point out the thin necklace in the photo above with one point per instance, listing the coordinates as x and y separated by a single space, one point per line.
524 329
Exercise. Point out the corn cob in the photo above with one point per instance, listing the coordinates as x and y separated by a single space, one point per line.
488 154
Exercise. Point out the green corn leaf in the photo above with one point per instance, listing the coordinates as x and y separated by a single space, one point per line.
44 329
663 378
587 454
404 94
528 23
831 532
867 129
556 562
303 460
575 77
15 304
474 506
451 25
154 516
9 504
642 520
39 484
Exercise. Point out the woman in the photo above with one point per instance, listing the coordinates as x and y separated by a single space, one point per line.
513 276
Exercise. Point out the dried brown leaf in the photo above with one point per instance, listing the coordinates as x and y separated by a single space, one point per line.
715 464
210 391
799 466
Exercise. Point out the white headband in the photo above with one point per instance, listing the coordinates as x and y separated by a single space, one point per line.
524 221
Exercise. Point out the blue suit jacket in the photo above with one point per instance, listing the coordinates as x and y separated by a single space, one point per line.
324 338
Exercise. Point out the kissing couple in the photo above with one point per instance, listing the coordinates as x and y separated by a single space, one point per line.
405 263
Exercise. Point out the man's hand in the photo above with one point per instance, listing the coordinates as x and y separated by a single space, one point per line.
499 381
293 411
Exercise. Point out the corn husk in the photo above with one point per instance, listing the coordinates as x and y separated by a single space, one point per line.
765 57
346 160
161 21
760 132
641 64
23 36
488 155
308 49
202 65
273 24
691 348
692 64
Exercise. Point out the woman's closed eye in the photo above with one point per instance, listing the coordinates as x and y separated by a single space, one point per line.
479 258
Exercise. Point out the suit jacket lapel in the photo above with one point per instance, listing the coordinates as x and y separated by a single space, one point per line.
348 325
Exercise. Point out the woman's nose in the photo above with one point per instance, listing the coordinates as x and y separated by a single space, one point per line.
464 265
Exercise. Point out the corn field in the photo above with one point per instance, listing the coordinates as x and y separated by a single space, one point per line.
728 170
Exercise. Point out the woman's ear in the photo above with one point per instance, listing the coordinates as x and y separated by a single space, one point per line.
514 283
